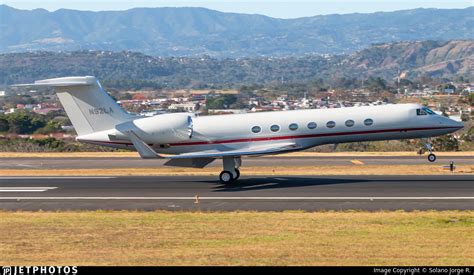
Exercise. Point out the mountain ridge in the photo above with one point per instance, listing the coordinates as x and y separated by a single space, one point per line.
197 31
434 59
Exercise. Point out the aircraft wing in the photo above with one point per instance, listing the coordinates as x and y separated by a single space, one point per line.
203 158
257 150
146 151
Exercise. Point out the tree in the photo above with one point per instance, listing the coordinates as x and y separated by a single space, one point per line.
3 124
221 102
50 127
446 143
376 84
469 136
24 122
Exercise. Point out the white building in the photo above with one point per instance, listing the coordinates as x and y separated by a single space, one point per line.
187 107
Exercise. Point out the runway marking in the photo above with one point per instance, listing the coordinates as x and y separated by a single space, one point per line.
357 162
237 198
26 189
27 165
52 178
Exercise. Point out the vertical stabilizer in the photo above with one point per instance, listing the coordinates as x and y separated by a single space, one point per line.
86 103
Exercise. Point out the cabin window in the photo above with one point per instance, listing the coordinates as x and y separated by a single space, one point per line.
350 123
331 124
256 129
275 128
312 125
368 122
293 126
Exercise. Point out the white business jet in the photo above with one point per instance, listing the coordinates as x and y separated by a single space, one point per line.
187 140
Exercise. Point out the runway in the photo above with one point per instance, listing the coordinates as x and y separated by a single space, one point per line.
135 162
249 193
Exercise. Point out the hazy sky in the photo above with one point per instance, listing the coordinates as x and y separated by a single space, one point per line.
280 9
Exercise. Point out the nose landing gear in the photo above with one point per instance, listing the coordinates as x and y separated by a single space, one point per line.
231 170
429 147
431 157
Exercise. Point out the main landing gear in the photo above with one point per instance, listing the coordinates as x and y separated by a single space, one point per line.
429 147
231 170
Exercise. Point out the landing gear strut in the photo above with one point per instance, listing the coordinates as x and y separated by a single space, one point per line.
231 170
429 147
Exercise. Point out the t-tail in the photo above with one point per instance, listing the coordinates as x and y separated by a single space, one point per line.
86 103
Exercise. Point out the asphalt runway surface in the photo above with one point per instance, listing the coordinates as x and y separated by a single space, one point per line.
441 192
92 163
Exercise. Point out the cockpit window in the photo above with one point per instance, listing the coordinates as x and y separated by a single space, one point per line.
429 111
424 111
420 112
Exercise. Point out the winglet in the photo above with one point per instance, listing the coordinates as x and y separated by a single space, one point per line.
143 149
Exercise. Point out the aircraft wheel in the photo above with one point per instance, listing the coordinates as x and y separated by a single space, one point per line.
225 177
431 157
237 173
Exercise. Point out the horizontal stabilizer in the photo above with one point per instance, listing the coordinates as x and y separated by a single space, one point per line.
62 82
142 148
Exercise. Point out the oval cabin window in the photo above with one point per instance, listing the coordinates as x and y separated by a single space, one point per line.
331 124
312 125
368 122
256 129
293 126
349 123
275 128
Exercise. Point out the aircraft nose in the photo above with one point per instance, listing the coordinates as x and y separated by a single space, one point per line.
458 124
453 124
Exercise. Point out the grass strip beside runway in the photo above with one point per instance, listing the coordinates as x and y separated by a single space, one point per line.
237 238
433 169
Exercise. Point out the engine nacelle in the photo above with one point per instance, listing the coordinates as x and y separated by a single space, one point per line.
165 128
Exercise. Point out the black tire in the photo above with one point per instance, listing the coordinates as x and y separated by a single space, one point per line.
431 157
237 172
226 177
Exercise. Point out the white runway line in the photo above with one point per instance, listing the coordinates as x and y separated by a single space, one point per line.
52 178
237 198
25 189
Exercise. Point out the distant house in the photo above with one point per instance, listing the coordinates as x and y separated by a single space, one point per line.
46 110
469 89
227 111
186 107
3 93
448 91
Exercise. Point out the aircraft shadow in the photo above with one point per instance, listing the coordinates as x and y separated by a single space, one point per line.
267 183
248 184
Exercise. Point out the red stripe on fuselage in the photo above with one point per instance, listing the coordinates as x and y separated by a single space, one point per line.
287 137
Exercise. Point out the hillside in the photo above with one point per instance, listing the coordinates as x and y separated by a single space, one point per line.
198 31
128 69
413 59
